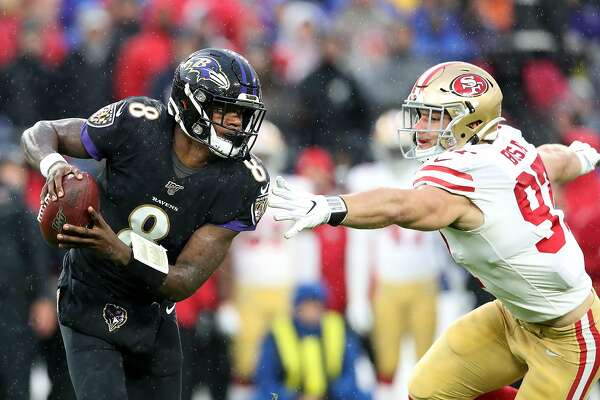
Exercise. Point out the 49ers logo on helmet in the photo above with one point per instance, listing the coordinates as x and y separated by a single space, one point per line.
469 85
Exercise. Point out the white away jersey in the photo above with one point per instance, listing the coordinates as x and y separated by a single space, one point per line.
264 258
524 253
396 254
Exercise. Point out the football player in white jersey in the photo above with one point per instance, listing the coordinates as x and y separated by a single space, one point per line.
488 191
265 268
401 265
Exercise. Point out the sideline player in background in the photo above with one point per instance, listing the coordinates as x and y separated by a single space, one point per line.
403 267
180 177
265 269
488 191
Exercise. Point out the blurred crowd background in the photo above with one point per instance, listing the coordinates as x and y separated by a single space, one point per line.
333 73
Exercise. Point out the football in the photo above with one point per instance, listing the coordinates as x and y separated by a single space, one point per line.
69 209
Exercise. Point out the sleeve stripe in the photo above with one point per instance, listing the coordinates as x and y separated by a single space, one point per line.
89 146
447 170
238 226
446 184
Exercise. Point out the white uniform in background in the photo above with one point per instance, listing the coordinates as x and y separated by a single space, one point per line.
392 273
265 269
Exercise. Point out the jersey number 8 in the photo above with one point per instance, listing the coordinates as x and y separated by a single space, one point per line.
140 110
148 221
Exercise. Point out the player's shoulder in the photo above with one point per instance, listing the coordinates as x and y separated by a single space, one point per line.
249 175
128 111
453 170
474 168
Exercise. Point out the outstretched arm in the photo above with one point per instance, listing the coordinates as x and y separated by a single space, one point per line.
424 209
563 164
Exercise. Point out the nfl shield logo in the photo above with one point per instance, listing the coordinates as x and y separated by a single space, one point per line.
172 188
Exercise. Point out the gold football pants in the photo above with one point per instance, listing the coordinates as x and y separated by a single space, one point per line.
488 348
258 307
400 310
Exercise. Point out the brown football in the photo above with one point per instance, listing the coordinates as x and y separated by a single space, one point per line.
69 209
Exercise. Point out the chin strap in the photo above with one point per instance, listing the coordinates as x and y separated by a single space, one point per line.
484 133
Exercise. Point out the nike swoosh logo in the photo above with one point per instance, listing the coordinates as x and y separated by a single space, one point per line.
551 353
169 310
313 206
264 190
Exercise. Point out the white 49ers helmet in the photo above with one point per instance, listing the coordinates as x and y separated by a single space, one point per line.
466 93
385 138
270 147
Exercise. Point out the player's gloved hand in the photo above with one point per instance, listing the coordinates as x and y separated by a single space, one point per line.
305 209
53 167
360 317
588 156
228 319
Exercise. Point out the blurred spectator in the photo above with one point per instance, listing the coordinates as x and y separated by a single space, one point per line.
86 76
402 266
317 167
297 51
579 201
125 16
365 26
147 53
441 34
10 21
186 41
27 308
389 82
26 83
229 19
333 112
310 356
54 43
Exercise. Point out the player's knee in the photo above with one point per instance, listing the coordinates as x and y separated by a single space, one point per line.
419 388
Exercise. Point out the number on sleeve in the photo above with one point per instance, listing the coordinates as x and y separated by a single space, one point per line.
258 172
148 221
534 197
140 110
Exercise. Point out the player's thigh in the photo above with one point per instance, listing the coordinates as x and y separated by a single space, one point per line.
472 357
257 308
95 367
563 362
157 376
422 306
389 323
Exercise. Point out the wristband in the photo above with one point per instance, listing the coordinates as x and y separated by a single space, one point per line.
152 278
48 161
338 208
148 263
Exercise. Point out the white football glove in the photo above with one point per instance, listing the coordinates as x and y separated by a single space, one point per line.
588 156
360 317
305 209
